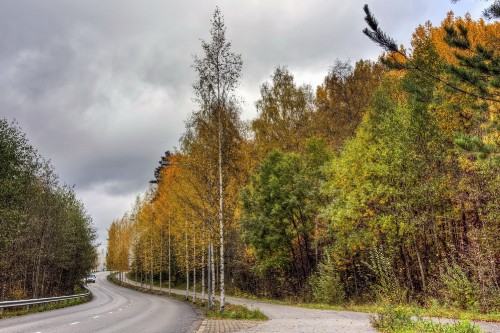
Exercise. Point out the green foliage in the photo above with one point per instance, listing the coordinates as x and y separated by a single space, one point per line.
396 203
387 286
326 285
46 236
473 144
384 186
285 112
232 311
36 308
398 320
280 206
460 290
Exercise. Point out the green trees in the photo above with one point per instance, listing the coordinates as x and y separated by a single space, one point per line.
384 185
472 70
385 192
46 237
280 208
285 114
451 76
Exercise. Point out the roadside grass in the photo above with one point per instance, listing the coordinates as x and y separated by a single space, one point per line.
437 311
19 311
400 320
231 311
433 310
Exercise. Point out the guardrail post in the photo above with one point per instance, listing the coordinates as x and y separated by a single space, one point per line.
41 301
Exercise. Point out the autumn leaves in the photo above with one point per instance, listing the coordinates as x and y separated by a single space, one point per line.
360 186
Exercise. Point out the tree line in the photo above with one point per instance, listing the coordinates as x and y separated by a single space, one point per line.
46 236
383 183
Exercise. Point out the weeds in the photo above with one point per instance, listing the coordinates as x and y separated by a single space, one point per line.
399 320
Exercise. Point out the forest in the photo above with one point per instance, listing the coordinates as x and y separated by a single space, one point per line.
380 184
47 240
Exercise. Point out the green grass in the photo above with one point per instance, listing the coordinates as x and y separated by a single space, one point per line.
433 310
231 311
399 320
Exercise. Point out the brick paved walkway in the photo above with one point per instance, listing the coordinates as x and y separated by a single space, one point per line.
226 325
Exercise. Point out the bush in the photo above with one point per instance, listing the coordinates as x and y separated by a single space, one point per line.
459 291
391 320
387 286
326 285
400 321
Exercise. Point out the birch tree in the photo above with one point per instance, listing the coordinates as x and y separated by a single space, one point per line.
218 71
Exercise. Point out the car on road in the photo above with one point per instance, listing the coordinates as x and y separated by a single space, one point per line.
90 278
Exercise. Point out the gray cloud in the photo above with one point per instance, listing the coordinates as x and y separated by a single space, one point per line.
102 88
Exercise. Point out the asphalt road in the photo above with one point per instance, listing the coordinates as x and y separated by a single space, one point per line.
113 309
290 319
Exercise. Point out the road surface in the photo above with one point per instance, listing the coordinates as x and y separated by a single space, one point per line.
113 309
291 319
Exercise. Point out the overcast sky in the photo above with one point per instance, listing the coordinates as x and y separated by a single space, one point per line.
102 87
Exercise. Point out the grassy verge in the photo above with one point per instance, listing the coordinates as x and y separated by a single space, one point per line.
19 311
430 311
434 311
231 311
399 320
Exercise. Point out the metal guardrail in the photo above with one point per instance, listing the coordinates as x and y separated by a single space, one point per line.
28 302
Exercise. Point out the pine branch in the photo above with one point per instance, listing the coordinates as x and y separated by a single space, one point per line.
492 12
376 34
387 43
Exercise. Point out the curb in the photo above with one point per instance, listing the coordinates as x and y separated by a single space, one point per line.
202 327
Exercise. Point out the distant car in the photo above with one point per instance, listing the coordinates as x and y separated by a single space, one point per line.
90 278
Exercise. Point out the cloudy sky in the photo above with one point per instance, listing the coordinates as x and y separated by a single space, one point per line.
102 87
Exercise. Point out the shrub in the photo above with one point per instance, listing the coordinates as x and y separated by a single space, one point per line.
460 290
387 286
326 285
397 320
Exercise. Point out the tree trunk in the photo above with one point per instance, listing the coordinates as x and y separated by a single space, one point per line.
212 259
169 262
221 218
194 266
187 263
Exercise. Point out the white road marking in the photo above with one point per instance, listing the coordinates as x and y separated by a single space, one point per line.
95 317
110 312
76 322
119 309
